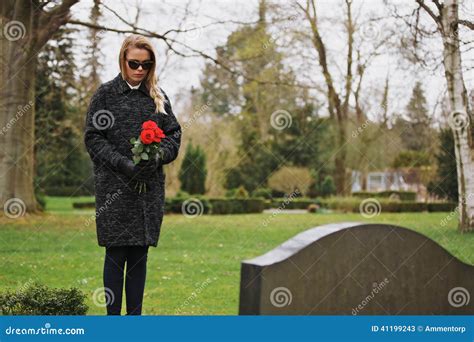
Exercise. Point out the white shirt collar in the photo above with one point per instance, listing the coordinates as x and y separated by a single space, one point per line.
134 87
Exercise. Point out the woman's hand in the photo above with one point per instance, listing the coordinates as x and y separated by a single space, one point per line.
141 172
148 168
127 167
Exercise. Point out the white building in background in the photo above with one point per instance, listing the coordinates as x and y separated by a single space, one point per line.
389 180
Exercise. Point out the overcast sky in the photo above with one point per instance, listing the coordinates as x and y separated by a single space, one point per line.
182 73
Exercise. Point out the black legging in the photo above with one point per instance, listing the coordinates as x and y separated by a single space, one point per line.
114 265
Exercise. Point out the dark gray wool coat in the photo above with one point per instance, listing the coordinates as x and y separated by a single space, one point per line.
115 114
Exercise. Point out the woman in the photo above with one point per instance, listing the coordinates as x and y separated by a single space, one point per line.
128 221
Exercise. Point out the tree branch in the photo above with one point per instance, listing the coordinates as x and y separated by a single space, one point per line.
51 21
467 23
168 41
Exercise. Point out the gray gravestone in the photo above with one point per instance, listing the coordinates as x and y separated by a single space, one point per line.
357 269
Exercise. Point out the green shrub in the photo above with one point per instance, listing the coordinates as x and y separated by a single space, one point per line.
175 205
402 195
328 187
41 200
400 207
83 205
346 204
263 193
294 203
448 206
239 192
38 299
267 204
352 204
69 191
236 205
182 194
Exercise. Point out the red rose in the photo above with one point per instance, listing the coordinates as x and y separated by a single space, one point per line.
150 124
147 136
158 134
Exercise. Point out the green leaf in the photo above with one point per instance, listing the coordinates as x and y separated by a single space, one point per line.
144 156
133 140
148 148
135 150
140 148
136 159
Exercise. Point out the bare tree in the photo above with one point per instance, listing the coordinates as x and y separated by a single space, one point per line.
446 19
356 62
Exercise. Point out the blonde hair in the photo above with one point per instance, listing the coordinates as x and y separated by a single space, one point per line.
151 81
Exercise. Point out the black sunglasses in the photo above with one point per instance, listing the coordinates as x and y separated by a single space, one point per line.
135 64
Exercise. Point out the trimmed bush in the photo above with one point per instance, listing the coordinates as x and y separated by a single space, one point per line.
295 203
403 195
175 205
69 191
345 204
267 204
182 194
449 206
239 192
263 193
236 205
38 299
257 205
399 207
83 205
351 204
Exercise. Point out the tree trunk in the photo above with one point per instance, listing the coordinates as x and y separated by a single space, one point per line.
17 110
340 159
460 118
26 27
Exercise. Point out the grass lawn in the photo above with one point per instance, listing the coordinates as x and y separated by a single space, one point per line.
201 255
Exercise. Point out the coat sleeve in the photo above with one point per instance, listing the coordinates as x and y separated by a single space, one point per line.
98 121
172 129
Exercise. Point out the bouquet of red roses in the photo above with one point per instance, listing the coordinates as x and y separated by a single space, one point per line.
147 145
